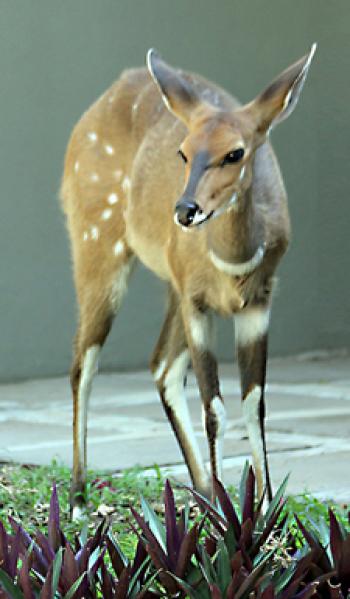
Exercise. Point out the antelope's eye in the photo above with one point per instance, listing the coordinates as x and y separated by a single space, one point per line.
184 158
234 156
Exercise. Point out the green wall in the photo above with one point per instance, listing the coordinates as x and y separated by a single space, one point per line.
57 56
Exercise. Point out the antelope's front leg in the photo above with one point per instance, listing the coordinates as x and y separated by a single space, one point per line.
251 326
198 328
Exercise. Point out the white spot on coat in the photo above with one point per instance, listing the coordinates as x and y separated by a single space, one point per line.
251 324
92 136
95 233
109 149
126 184
119 248
94 177
106 214
76 166
118 174
85 236
112 198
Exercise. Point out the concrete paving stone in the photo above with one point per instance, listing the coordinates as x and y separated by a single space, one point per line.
335 425
308 423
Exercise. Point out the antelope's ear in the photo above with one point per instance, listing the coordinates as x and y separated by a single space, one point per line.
178 94
280 98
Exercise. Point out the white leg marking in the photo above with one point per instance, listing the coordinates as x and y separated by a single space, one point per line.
200 328
158 373
217 408
251 324
252 420
88 369
78 514
120 285
175 398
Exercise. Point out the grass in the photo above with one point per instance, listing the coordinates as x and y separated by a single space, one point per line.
25 494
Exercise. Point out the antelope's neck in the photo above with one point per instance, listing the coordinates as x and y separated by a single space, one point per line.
237 238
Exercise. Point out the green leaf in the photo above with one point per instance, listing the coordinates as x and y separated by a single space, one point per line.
74 587
223 566
284 579
148 584
84 533
57 564
9 586
154 523
191 592
207 568
135 578
277 498
230 540
242 485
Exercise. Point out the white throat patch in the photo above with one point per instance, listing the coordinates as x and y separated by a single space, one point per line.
238 270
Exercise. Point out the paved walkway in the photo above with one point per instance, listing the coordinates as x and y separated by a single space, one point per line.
308 423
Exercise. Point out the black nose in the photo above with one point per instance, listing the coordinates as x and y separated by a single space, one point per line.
186 211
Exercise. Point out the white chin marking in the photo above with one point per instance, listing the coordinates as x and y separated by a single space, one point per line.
251 325
199 217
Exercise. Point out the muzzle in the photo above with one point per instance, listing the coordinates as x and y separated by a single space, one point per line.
189 214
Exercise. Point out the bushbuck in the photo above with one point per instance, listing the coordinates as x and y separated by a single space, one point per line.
170 169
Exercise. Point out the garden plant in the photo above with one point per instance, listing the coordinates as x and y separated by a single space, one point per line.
230 549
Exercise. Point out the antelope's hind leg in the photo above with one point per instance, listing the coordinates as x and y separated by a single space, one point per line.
169 367
99 300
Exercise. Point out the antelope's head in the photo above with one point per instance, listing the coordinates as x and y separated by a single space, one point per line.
220 143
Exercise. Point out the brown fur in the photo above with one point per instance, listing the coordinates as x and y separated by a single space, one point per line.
135 155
